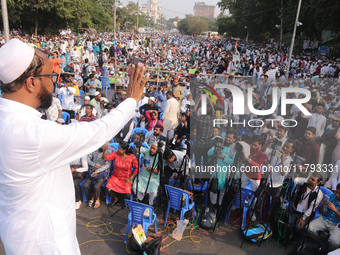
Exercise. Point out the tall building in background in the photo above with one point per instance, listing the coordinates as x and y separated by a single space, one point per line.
203 10
152 10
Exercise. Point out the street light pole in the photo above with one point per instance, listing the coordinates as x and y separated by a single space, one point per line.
115 19
5 19
137 14
293 38
281 25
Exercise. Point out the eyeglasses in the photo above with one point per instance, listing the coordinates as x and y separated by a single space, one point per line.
54 76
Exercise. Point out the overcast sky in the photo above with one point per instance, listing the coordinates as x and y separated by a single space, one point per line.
173 8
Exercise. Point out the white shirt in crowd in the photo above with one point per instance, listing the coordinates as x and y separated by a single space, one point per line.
319 122
37 213
52 113
67 100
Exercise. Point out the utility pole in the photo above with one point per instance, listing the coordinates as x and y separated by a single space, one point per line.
5 19
281 25
293 38
115 17
137 14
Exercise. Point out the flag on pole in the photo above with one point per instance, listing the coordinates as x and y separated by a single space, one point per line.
236 46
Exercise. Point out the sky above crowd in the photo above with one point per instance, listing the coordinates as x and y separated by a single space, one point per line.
174 8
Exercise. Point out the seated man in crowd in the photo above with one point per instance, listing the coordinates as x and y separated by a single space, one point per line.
96 100
98 173
87 100
330 209
154 137
148 179
89 115
306 201
181 130
116 96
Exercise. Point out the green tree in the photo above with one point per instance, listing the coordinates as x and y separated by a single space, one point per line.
193 25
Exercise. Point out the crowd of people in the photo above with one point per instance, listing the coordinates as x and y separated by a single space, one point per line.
170 127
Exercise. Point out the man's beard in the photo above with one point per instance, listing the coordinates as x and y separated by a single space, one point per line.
45 98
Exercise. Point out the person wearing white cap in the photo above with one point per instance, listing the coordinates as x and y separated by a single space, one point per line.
37 212
83 108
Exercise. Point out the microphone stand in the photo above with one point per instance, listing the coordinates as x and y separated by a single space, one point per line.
137 174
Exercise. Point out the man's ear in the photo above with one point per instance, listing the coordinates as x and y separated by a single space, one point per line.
31 85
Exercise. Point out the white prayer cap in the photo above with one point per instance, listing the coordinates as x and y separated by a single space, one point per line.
60 120
87 98
15 58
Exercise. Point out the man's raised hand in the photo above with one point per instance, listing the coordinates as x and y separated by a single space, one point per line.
137 82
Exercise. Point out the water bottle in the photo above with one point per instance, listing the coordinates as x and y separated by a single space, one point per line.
246 203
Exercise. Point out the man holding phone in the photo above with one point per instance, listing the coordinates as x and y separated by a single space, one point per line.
330 209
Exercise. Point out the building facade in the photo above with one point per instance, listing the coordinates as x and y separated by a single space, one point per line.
203 10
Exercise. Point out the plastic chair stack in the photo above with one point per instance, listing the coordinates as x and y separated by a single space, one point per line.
136 216
174 196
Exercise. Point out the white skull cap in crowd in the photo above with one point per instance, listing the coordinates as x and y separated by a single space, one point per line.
15 57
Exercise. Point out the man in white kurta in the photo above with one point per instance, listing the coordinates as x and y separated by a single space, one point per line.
37 211
170 115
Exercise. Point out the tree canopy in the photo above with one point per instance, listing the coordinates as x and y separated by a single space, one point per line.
196 25
50 16
259 18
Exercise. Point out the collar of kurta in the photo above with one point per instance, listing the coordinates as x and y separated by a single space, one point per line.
19 107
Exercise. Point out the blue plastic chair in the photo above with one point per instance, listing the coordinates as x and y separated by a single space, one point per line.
60 98
133 145
138 130
83 191
241 132
174 196
135 212
199 188
245 193
66 117
114 145
105 84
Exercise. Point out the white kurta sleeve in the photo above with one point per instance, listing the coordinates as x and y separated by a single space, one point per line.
61 144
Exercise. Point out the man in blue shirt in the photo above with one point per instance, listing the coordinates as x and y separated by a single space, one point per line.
330 209
161 96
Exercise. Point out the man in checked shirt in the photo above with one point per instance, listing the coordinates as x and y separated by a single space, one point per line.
204 127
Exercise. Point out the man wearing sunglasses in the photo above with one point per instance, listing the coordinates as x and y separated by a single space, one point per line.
37 212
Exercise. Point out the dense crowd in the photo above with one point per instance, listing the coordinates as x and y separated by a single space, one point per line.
169 121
